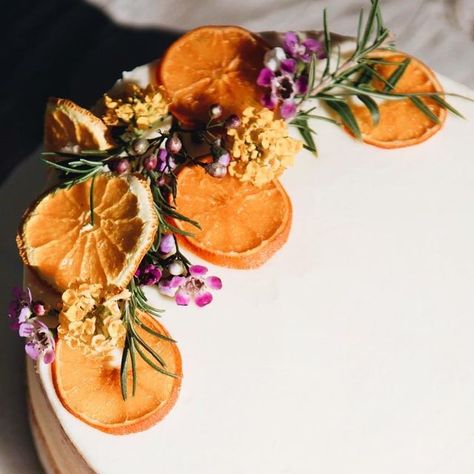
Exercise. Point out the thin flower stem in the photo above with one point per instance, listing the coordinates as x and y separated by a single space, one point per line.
91 200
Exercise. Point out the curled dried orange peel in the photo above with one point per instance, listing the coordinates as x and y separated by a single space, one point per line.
66 125
59 242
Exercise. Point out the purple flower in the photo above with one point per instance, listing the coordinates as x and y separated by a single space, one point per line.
19 309
39 341
148 274
273 58
288 66
166 162
167 244
284 87
288 109
283 90
269 101
170 287
265 77
195 287
302 50
301 85
285 72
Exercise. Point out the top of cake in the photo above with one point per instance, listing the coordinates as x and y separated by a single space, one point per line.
203 164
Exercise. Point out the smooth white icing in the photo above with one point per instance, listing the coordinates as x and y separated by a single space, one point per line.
351 349
56 452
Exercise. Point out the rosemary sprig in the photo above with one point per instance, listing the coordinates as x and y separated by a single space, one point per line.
134 342
75 170
353 78
136 154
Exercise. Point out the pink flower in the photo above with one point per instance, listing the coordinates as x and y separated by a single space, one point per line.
148 274
302 50
166 162
288 109
286 73
282 88
265 77
39 340
167 244
195 287
19 309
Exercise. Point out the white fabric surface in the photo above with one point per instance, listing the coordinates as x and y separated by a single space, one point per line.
438 32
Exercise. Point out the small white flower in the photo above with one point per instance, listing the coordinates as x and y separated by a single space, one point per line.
273 58
176 268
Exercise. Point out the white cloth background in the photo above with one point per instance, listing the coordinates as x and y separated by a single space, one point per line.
440 32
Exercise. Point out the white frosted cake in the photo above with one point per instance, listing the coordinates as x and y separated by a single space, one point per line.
349 350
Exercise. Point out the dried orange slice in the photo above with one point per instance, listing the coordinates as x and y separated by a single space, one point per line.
242 225
89 387
401 122
66 124
57 240
212 64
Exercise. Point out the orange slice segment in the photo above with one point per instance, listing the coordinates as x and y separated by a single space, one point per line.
89 387
401 122
57 240
242 225
212 64
66 125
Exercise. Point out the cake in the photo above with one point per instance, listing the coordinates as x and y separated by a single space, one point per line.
347 347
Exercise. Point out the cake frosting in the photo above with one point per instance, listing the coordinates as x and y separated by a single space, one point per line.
349 350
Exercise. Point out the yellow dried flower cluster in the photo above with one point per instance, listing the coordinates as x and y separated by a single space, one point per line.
140 108
90 318
260 147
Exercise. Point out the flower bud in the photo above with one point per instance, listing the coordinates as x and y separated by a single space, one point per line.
150 162
39 308
273 58
215 111
167 244
217 170
173 144
122 166
140 146
176 268
113 359
232 121
224 159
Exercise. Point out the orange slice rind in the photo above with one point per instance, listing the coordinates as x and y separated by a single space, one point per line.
89 387
58 242
212 64
67 125
242 225
401 122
